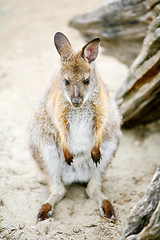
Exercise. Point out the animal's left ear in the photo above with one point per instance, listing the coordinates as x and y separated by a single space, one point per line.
90 50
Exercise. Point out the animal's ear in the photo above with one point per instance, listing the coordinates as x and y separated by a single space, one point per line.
90 50
63 45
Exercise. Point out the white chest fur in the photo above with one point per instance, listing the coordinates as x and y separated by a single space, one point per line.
80 130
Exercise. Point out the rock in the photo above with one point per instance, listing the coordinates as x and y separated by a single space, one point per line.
121 26
144 220
139 96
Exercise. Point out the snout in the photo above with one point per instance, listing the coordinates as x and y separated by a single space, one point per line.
77 101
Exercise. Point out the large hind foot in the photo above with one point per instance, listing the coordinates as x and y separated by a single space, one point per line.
107 210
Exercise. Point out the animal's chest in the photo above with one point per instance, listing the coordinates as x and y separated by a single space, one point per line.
80 131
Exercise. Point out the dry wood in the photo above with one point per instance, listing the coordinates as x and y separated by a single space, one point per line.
144 220
139 96
121 25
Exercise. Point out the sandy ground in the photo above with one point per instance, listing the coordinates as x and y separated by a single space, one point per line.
28 60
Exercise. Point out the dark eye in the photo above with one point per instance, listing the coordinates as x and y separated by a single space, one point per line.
66 82
86 82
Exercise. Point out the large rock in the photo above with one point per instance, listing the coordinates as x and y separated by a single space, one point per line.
139 96
121 25
143 223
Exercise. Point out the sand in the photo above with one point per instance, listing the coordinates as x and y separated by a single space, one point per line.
28 60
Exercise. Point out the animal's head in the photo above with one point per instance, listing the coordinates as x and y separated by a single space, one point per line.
78 80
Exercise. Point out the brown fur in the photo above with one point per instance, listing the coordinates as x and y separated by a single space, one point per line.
96 155
108 209
76 94
73 69
100 112
43 212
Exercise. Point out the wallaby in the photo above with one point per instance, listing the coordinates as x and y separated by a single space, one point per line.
75 129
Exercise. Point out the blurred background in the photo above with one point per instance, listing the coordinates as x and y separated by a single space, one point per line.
28 61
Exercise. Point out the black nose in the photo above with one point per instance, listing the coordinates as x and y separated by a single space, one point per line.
76 101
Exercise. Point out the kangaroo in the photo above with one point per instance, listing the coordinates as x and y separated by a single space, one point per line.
75 129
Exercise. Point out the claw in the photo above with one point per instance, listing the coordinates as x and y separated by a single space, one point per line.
109 219
96 155
68 157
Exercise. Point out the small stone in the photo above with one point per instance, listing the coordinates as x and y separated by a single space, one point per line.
1 203
13 229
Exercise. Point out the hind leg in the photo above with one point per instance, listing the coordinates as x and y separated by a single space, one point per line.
57 192
94 192
52 162
107 150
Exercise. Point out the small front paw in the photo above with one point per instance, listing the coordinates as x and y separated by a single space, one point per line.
68 157
96 155
43 212
108 210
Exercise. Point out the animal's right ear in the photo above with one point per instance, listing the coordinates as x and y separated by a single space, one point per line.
63 46
90 50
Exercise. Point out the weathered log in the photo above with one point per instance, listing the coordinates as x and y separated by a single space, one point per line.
139 96
144 220
121 26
